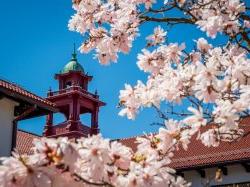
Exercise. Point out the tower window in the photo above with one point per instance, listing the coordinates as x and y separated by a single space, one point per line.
68 84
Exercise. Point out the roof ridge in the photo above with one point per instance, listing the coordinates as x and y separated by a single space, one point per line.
119 139
39 98
23 88
11 82
232 152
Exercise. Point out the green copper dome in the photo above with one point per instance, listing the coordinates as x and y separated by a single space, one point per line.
73 65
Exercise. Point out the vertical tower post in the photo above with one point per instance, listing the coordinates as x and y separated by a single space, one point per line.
49 125
94 121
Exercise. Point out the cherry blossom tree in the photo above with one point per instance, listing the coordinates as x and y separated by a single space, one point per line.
211 83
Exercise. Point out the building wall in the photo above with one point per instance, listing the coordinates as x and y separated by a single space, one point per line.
6 126
236 174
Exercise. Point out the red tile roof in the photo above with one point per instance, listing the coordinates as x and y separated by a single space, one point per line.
198 155
24 142
12 88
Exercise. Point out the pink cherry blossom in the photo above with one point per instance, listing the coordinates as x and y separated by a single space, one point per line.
157 37
203 45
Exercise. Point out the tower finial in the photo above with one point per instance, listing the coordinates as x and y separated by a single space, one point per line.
74 52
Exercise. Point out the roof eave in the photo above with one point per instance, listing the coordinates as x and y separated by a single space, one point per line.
20 98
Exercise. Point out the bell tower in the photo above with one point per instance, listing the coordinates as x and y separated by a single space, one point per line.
73 99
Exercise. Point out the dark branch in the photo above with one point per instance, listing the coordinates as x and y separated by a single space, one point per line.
168 20
92 183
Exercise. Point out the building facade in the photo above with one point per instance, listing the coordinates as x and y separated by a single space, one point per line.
7 117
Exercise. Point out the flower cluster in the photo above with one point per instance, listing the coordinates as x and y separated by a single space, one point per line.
95 161
111 26
212 83
92 18
219 16
215 83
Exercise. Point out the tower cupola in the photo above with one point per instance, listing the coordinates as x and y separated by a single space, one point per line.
73 75
72 65
73 99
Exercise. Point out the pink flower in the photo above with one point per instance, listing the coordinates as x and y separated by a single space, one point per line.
203 45
212 25
158 37
246 24
121 155
196 120
210 138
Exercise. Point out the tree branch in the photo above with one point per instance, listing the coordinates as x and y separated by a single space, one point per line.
168 20
92 183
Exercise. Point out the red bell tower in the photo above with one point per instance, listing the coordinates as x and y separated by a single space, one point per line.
73 99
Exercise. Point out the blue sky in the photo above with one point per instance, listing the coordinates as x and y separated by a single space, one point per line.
35 44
